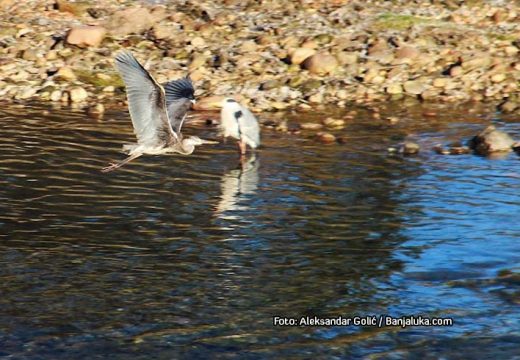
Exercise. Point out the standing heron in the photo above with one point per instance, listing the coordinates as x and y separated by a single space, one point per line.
157 112
238 122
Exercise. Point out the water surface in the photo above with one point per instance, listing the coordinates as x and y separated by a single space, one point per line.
191 257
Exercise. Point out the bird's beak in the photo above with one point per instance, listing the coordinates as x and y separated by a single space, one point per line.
209 141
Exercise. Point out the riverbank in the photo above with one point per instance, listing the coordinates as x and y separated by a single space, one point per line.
275 56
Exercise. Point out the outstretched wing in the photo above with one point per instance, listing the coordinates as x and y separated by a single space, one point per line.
179 95
179 89
248 126
146 102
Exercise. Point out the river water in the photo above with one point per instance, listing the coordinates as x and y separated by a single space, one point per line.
191 257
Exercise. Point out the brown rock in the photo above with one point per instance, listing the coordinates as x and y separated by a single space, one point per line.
310 44
134 20
310 126
347 58
407 52
477 61
334 123
75 8
321 63
248 46
499 16
4 4
325 137
198 61
378 47
414 87
498 78
163 31
316 98
198 42
30 54
298 55
410 148
85 36
440 82
78 94
456 71
65 73
394 89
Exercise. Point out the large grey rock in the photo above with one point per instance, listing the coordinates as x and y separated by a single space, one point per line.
491 140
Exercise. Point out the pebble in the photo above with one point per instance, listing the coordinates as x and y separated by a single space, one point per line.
26 93
55 95
298 55
325 137
333 123
311 126
498 78
322 56
66 74
410 148
414 87
78 94
394 89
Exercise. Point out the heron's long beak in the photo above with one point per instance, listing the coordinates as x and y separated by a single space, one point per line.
209 141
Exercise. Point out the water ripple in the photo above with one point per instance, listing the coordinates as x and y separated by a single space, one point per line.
196 254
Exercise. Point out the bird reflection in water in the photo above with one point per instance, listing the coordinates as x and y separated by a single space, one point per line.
236 186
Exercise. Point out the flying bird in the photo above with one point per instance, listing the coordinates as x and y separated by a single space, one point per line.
238 122
157 112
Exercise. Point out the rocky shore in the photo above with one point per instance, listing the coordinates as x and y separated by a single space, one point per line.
274 55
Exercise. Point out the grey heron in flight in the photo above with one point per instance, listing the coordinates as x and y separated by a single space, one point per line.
238 122
157 112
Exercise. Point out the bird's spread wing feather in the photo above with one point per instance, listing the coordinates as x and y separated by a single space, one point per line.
146 102
179 94
179 89
248 125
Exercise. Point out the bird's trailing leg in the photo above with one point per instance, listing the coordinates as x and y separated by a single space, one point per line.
112 167
241 147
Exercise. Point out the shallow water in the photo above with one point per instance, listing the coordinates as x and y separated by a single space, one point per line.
191 257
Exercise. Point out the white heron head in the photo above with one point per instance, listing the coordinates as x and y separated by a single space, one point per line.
229 103
188 144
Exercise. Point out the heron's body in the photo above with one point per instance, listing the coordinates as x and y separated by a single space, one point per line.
238 122
157 112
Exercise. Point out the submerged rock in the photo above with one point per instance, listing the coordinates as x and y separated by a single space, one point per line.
491 140
410 148
453 149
